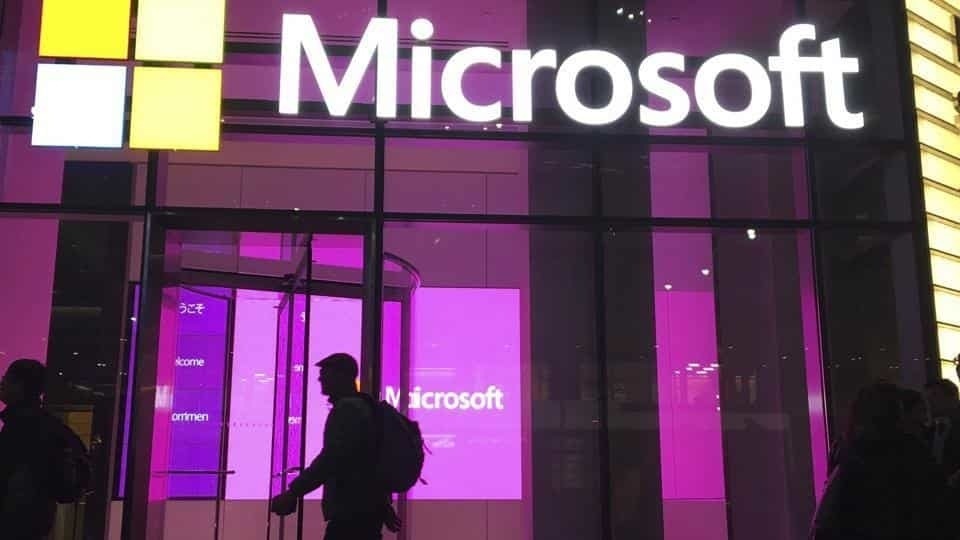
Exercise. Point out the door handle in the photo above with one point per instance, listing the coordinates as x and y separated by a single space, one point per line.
197 472
288 471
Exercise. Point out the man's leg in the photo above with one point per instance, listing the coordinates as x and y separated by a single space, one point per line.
354 529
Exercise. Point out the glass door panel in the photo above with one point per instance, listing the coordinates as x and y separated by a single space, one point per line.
296 414
293 319
278 472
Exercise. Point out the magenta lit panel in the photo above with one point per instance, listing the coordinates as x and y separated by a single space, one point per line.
251 403
687 372
335 326
391 348
466 392
465 387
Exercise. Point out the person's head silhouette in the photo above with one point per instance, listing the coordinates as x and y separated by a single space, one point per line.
23 383
943 397
338 375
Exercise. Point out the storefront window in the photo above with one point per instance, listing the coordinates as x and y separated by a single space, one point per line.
617 309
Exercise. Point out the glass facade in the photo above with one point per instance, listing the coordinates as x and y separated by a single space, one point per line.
608 332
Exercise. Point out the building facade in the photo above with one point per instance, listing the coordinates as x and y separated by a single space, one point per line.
627 263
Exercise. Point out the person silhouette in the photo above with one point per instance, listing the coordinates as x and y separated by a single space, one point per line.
32 451
354 505
885 484
944 400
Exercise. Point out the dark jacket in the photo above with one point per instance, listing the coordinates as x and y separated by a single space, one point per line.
29 442
883 488
345 467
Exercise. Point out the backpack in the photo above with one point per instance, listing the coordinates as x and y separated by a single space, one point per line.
399 448
71 473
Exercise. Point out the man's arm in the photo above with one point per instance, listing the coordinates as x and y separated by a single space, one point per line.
340 444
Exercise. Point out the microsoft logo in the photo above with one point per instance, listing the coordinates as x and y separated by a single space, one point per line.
82 80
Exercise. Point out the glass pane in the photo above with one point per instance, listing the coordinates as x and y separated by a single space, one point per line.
503 380
487 177
863 185
252 71
682 181
543 178
278 467
66 306
70 177
279 173
198 392
715 335
873 313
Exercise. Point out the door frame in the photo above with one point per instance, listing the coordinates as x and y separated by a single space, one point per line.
143 512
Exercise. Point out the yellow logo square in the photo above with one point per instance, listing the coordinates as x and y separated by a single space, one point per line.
85 28
180 30
175 109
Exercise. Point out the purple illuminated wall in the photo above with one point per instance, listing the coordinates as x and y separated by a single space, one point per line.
198 392
251 394
471 353
467 345
335 325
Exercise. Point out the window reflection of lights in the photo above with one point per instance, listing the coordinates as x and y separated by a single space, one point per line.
705 271
133 319
676 372
499 125
693 364
714 365
649 20
668 287
641 12
701 372
752 234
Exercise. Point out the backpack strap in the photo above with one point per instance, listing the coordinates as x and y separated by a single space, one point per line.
376 413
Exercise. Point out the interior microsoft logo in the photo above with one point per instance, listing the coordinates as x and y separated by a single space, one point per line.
173 106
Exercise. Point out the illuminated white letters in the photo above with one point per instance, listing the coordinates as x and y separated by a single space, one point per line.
380 41
190 417
649 75
830 63
834 67
421 96
491 399
451 84
525 66
189 362
790 65
620 79
757 80
380 38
